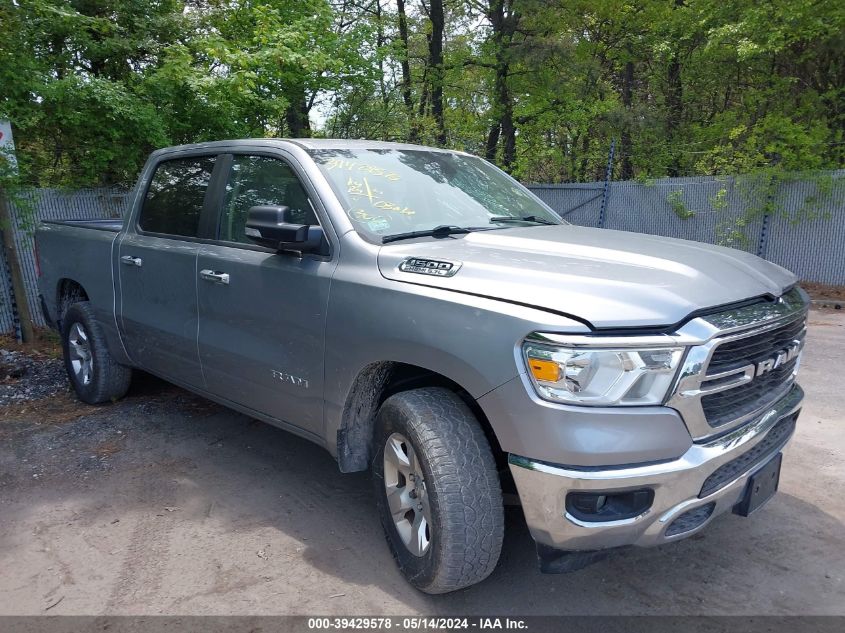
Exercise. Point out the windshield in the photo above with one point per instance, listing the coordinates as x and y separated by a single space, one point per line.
387 192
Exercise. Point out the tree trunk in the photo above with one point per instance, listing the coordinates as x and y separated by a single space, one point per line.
407 99
7 225
379 45
627 171
435 55
674 106
423 104
585 157
573 156
503 27
296 116
492 141
405 62
508 127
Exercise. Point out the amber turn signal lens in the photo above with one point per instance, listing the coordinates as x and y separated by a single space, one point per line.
546 370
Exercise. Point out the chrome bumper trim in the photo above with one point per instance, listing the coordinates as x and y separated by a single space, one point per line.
543 488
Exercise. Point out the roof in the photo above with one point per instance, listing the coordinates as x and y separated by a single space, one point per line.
340 143
306 144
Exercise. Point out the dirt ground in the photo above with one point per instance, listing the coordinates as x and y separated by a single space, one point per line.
826 293
166 504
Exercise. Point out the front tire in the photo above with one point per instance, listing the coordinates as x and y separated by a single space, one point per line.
94 374
438 490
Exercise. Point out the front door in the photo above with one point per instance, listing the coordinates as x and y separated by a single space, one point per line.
158 275
262 313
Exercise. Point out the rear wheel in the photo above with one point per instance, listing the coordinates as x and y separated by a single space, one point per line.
438 491
94 374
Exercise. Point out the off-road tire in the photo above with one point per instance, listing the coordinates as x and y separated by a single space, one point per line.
461 482
109 380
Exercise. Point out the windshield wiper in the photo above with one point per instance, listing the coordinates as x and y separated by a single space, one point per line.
525 218
444 230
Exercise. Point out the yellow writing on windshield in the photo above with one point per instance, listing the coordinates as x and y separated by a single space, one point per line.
355 187
360 214
390 206
352 165
370 193
363 189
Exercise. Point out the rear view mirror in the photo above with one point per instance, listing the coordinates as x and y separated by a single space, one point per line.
271 226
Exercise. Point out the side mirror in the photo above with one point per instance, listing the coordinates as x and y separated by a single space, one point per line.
271 226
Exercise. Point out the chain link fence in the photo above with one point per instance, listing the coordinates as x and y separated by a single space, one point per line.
49 204
798 224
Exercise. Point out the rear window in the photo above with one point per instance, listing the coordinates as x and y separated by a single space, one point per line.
174 200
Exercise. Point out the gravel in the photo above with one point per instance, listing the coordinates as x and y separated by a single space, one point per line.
26 377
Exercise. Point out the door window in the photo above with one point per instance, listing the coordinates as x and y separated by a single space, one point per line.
174 201
260 181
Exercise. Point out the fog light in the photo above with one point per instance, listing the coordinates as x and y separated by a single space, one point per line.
608 506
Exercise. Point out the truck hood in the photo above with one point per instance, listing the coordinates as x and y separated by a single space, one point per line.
611 279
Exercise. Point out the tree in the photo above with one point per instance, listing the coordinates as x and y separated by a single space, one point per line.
540 87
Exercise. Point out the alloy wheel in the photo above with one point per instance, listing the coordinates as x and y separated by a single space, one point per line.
79 350
407 497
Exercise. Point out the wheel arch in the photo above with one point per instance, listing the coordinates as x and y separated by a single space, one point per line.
68 292
372 386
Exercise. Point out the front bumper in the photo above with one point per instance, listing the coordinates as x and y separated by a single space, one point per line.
680 486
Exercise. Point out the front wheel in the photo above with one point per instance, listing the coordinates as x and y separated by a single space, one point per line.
438 491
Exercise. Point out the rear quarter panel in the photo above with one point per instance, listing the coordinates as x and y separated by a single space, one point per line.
83 255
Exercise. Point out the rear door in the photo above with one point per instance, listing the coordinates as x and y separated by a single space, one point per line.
158 274
261 330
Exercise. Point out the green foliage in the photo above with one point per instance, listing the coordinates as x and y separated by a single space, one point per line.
719 201
675 200
539 86
733 234
761 191
92 86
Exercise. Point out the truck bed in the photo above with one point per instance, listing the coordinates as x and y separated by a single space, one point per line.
112 225
81 251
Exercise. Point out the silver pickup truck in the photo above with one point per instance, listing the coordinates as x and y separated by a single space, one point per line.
419 313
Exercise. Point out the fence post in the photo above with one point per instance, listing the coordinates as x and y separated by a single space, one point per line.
20 306
763 242
608 174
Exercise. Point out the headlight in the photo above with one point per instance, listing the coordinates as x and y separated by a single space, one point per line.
602 377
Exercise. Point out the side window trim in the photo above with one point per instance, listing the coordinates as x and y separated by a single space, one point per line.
216 194
206 210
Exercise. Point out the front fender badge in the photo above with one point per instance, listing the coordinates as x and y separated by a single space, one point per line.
434 267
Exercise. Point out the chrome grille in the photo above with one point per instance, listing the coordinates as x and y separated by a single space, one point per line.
739 363
754 348
722 407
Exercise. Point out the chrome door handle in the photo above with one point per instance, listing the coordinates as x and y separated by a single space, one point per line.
131 261
218 278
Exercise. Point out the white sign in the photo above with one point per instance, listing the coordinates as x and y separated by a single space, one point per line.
7 143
